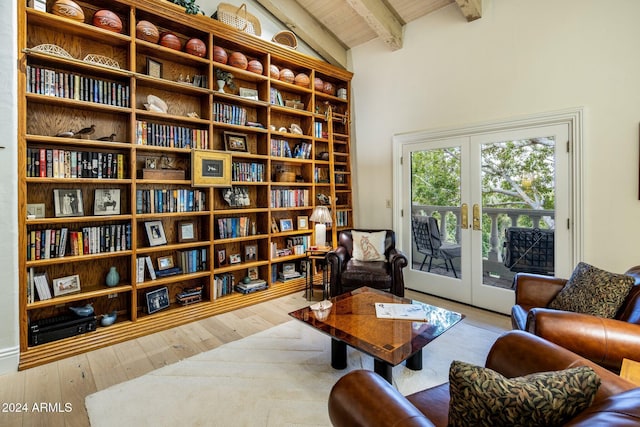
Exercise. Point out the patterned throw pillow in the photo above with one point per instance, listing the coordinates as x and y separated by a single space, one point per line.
483 397
592 291
368 246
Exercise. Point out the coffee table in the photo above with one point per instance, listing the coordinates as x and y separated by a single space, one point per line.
352 321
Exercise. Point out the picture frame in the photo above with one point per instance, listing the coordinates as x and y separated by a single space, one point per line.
245 92
235 259
250 253
68 202
235 141
236 196
210 168
106 201
286 224
252 272
66 285
274 226
303 222
187 231
36 210
154 68
157 300
165 262
288 267
155 233
221 257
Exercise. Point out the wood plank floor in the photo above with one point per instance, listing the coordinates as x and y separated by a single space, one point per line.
53 394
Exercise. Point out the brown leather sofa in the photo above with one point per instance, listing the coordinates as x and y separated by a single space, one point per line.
603 341
362 398
347 274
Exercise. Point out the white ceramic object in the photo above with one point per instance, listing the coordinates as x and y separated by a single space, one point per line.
321 309
156 104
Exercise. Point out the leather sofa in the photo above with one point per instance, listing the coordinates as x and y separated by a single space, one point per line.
603 341
363 398
347 274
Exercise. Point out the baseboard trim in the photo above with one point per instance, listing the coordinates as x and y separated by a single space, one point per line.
9 360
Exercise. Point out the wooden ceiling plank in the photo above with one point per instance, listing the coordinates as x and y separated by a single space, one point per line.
308 29
471 9
381 20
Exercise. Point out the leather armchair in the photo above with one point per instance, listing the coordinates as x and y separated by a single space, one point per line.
603 341
347 274
363 398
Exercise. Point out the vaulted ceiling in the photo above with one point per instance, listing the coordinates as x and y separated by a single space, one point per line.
331 27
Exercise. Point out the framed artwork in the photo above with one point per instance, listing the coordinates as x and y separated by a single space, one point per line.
252 272
66 285
157 300
187 231
36 210
155 233
248 93
250 253
107 201
236 196
210 168
154 68
234 141
235 259
221 257
68 202
165 262
286 224
303 222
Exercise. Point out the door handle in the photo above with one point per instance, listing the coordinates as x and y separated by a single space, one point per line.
476 217
464 210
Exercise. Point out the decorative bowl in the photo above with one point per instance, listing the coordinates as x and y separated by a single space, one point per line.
321 309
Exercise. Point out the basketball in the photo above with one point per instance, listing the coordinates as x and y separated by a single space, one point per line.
255 66
107 20
318 84
302 80
286 75
274 72
329 88
68 9
171 41
196 47
238 60
220 55
148 32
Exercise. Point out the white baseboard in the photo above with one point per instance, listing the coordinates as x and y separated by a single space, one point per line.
9 360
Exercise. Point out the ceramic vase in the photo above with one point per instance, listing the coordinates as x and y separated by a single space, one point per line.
113 277
221 84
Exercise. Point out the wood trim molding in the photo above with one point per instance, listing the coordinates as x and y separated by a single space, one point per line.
471 9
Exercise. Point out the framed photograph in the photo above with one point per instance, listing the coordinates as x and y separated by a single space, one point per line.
210 168
249 93
150 163
235 259
154 68
155 233
165 262
66 285
250 253
187 231
252 272
303 222
221 257
234 141
236 196
286 224
107 201
36 210
157 300
68 202
288 267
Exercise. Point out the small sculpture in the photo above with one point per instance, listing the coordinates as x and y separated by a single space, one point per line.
83 311
68 134
85 132
109 319
111 137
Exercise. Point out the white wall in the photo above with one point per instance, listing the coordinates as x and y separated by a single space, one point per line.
521 57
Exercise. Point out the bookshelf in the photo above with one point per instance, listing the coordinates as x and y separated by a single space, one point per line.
105 180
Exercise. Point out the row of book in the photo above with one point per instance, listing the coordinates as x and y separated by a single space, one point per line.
56 243
247 172
317 130
192 260
49 82
223 284
231 114
285 198
164 135
167 200
342 218
58 163
280 148
232 227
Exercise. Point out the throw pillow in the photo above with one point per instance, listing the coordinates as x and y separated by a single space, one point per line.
592 291
368 246
483 397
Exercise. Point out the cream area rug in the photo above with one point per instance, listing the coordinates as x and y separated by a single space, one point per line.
278 377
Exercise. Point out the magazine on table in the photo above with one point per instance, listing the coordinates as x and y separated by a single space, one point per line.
386 310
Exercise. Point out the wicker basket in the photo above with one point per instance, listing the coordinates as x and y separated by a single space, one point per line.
286 38
285 176
238 17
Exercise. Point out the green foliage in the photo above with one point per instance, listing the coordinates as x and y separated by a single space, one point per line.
190 6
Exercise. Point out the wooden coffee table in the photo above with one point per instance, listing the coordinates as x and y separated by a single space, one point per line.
353 322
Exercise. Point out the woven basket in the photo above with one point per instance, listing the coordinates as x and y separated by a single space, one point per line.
286 38
238 17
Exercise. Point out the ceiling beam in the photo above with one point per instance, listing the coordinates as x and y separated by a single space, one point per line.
471 9
381 20
308 29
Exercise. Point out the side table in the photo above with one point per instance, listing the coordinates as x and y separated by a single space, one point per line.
316 257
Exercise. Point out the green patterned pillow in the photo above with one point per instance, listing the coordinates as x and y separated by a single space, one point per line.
592 291
483 397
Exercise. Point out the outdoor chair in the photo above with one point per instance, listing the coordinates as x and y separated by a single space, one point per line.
426 234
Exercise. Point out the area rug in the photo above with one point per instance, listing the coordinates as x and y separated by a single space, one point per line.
278 377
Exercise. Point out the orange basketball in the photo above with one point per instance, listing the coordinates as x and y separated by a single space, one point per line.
274 72
302 80
68 9
255 66
195 47
329 88
238 60
318 84
171 41
220 55
286 75
107 20
148 32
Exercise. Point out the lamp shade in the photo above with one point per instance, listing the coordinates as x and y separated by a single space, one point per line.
321 214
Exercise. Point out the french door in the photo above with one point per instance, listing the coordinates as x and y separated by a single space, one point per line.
499 201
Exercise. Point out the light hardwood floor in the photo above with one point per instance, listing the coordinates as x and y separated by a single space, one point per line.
63 385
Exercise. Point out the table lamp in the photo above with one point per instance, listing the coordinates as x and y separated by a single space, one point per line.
321 216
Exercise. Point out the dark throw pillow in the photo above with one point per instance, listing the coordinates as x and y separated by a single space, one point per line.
483 397
593 291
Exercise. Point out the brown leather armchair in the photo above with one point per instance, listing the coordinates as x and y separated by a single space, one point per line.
603 341
347 274
363 398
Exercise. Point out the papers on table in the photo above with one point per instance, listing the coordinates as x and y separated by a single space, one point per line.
401 311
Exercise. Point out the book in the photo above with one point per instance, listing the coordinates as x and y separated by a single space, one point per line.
152 272
401 311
